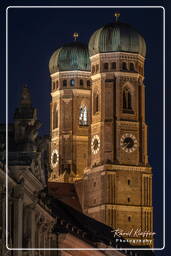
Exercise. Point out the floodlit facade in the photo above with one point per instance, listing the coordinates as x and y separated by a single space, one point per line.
106 155
88 184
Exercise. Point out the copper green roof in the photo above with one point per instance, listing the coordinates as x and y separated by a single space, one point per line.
117 37
73 56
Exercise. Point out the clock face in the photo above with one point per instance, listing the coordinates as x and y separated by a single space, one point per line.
95 144
54 158
128 142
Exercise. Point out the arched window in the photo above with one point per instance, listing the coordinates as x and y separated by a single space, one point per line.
83 119
55 117
64 83
88 83
96 103
127 100
132 67
129 218
57 84
113 65
81 82
124 66
106 66
72 82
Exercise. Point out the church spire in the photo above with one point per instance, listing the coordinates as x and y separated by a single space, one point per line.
25 109
25 97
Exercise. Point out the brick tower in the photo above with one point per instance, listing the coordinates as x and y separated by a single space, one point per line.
118 181
70 111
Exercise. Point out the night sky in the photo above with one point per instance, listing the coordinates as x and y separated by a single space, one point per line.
34 34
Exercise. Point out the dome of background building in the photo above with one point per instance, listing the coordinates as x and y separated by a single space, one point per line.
73 56
117 37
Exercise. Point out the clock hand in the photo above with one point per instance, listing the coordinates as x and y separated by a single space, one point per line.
126 144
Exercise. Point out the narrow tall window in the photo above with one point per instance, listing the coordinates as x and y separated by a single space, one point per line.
64 83
124 66
127 100
88 83
106 66
81 82
113 65
72 82
55 117
132 68
96 103
83 119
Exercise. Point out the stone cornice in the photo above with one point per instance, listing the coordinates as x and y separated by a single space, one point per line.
75 73
111 168
119 206
116 54
116 74
83 138
75 91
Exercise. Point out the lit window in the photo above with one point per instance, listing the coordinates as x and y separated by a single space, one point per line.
72 82
83 119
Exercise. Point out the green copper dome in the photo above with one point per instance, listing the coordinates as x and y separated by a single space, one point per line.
73 56
117 37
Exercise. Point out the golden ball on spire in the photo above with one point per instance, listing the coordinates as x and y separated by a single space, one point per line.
75 35
117 15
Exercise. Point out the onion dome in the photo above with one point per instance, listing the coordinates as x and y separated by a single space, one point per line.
117 37
73 56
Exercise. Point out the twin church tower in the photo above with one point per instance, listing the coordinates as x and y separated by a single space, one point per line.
98 129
